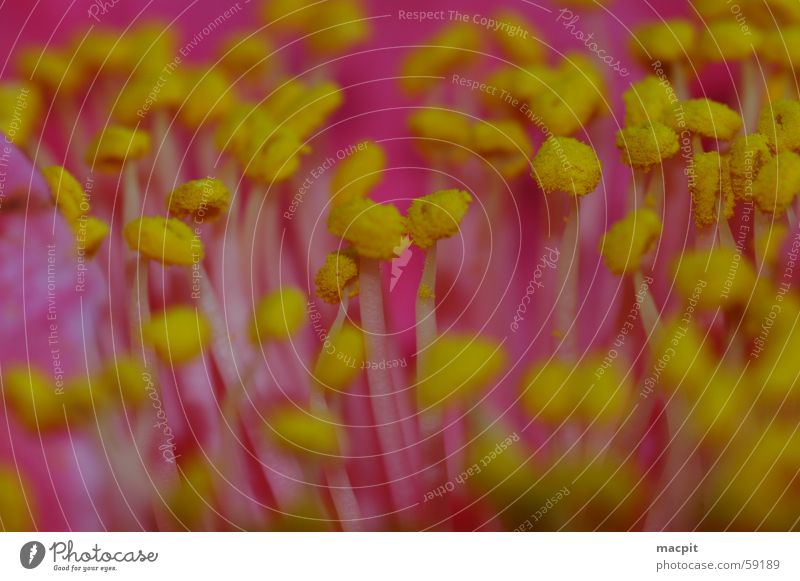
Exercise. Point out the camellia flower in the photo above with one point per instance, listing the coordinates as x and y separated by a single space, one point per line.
336 266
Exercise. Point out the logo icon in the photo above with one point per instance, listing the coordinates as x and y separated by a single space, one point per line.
403 255
31 554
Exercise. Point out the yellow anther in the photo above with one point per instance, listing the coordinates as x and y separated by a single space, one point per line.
16 502
781 46
725 41
714 278
646 145
682 357
571 98
234 131
669 41
341 359
564 164
289 15
358 174
528 83
339 275
505 145
437 216
717 410
36 399
425 292
514 37
549 391
148 93
177 334
204 199
340 25
453 47
156 44
20 111
777 365
193 493
779 122
710 10
627 242
208 97
777 183
648 101
311 434
274 159
166 240
748 155
374 230
90 232
455 367
106 51
605 395
246 55
769 242
310 113
712 195
84 400
279 315
444 135
125 379
51 71
67 193
707 118
116 145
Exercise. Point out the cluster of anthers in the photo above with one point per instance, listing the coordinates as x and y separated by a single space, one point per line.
652 385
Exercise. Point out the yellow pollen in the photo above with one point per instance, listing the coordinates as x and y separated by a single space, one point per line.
90 233
453 47
437 216
275 159
374 230
689 360
51 71
444 135
769 242
20 111
340 26
310 111
342 359
777 183
425 292
549 391
505 145
311 434
571 98
646 145
779 122
455 367
709 119
748 155
669 41
520 49
123 378
647 101
67 193
33 397
15 514
725 41
246 55
289 15
604 395
712 195
115 145
279 315
358 174
338 272
166 240
134 94
564 164
714 278
627 242
781 46
208 97
177 334
204 199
